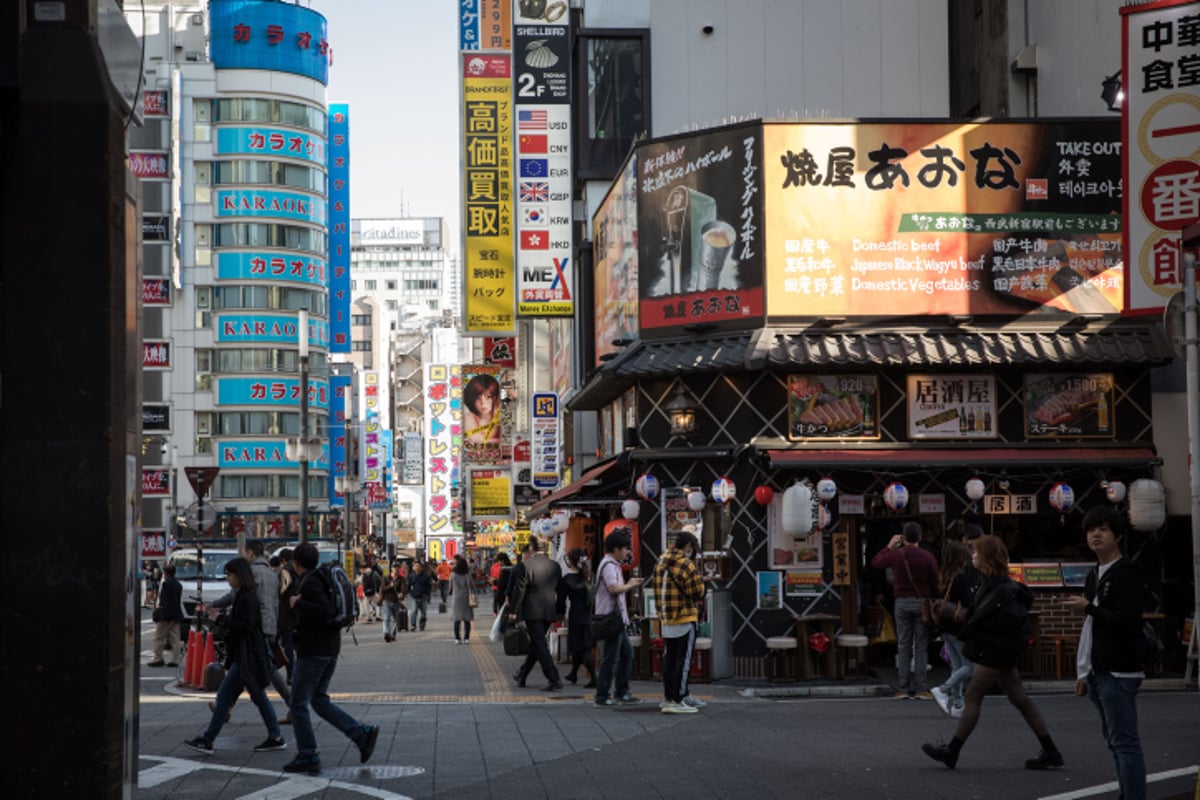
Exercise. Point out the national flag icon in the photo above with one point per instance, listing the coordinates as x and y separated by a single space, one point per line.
531 119
535 215
532 143
535 167
535 240
534 191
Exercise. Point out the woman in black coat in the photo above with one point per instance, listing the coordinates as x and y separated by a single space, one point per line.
245 662
574 587
994 636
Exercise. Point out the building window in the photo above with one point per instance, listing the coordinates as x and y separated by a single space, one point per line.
391 305
361 346
614 82
390 285
360 319
370 285
433 305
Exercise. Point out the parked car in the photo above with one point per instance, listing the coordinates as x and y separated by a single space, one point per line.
211 573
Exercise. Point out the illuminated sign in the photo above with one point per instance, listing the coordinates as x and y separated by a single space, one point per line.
240 265
250 34
241 454
259 141
266 392
259 203
281 330
339 228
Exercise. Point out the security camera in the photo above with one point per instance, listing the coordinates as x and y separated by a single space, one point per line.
707 30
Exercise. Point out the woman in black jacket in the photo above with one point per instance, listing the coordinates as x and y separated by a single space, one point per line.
245 662
994 636
574 587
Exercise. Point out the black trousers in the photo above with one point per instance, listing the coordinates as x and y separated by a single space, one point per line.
540 654
677 657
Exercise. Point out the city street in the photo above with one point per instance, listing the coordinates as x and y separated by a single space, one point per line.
454 726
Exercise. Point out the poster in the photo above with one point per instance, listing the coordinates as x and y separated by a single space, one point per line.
1072 405
832 407
490 494
487 423
678 516
615 272
951 407
803 584
786 552
770 590
1074 574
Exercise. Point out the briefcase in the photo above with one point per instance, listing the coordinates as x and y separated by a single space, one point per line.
516 641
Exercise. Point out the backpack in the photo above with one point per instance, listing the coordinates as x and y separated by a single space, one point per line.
341 595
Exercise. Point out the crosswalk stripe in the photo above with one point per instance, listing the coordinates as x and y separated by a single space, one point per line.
287 783
162 773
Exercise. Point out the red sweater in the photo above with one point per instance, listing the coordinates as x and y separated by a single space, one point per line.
923 566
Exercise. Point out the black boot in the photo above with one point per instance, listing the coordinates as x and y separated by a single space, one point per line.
571 676
519 677
941 753
1047 759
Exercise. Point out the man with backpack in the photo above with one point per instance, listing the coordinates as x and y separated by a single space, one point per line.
320 617
1109 660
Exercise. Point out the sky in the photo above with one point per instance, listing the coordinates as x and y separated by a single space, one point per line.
395 64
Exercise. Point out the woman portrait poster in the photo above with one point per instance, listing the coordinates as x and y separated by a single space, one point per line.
481 415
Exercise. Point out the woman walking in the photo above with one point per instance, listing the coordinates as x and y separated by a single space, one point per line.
245 663
460 592
994 636
950 611
391 595
574 598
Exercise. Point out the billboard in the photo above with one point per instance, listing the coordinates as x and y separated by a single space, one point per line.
339 228
700 231
615 265
262 454
261 141
269 203
339 388
487 423
267 392
943 218
443 438
250 34
252 328
241 265
484 25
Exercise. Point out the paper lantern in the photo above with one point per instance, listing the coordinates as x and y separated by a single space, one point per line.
975 489
826 489
696 501
763 495
560 522
1062 497
646 486
1147 505
723 490
541 527
895 496
1114 491
796 513
630 509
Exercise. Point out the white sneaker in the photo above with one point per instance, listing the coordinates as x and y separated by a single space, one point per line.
678 708
956 711
943 699
688 700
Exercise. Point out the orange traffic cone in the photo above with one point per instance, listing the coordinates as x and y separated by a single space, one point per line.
210 655
189 663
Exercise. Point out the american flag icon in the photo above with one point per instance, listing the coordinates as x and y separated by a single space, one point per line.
534 191
531 120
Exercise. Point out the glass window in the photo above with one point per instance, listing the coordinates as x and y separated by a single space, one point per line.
370 285
391 305
614 81
363 346
360 319
390 285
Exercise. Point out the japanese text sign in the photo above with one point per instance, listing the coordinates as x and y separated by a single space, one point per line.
951 407
282 37
241 265
339 228
1074 405
833 407
443 442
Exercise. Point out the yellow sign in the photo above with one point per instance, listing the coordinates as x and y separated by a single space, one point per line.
491 493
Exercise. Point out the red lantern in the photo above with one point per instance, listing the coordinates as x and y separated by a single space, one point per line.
763 495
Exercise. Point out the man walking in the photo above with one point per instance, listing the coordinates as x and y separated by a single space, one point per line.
420 587
1108 664
914 579
535 598
318 641
616 661
168 614
678 584
443 580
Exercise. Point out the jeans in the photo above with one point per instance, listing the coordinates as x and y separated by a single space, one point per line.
617 657
391 610
310 687
960 668
227 694
539 652
1116 700
466 623
677 660
420 613
913 639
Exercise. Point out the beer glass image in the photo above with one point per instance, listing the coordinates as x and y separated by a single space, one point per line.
717 240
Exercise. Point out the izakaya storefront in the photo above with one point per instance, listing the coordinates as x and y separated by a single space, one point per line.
922 320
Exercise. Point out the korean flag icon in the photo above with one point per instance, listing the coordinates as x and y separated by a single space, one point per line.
535 216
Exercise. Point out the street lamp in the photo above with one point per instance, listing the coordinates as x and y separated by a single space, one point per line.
1112 93
301 448
682 412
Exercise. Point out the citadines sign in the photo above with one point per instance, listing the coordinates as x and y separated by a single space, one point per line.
391 232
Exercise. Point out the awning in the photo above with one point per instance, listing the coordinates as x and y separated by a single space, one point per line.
597 472
826 458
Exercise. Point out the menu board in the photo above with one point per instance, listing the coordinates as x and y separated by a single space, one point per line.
951 407
833 407
1045 574
1069 405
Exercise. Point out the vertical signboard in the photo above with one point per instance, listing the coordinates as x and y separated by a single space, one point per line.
339 228
542 99
544 445
488 284
484 25
339 387
371 446
440 462
615 274
1161 115
486 421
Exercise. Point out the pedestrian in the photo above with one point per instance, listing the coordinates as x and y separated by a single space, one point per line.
318 642
246 662
1108 663
500 580
462 593
915 580
289 583
443 582
957 590
392 593
168 616
679 588
517 570
574 600
994 636
372 580
535 596
420 588
616 658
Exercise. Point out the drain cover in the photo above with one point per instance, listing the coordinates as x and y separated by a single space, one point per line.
376 773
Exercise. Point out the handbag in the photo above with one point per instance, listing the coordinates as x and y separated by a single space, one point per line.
517 641
472 601
606 626
927 615
278 655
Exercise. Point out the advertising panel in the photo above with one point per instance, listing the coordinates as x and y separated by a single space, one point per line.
156 291
339 228
678 516
156 228
260 141
156 416
156 103
339 387
489 285
1161 116
544 445
267 203
951 407
156 354
246 454
500 351
156 483
154 544
443 438
484 25
615 254
402 232
150 164
248 328
700 231
265 392
487 423
490 492
413 470
1071 405
833 407
282 37
288 267
943 218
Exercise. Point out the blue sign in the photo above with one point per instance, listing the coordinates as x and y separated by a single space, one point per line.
468 25
270 142
295 267
269 203
339 387
339 228
248 328
243 454
266 34
270 392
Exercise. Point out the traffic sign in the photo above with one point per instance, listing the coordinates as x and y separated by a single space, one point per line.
201 478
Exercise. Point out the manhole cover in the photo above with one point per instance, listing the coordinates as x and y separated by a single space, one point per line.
377 773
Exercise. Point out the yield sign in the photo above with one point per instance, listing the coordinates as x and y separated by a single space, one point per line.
201 478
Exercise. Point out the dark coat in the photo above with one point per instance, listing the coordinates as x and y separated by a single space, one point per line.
1116 617
997 627
420 585
170 600
535 594
245 644
579 614
316 636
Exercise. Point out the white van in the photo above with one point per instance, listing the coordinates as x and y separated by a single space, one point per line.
211 574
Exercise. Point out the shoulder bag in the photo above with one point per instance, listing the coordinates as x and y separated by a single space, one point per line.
606 626
517 641
927 615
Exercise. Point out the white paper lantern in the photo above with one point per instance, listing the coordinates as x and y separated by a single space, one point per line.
1062 497
723 490
1115 491
895 496
975 489
826 489
560 522
696 501
631 509
541 527
796 511
1147 505
646 486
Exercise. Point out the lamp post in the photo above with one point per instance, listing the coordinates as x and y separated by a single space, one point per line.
347 486
301 448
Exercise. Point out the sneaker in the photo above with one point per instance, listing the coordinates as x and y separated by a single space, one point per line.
603 703
902 695
590 684
310 764
367 746
1047 759
271 743
943 699
922 695
688 700
156 664
678 708
941 753
200 745
956 711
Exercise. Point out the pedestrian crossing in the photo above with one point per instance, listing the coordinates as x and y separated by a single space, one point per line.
283 787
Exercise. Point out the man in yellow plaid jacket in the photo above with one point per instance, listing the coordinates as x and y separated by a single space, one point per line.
678 588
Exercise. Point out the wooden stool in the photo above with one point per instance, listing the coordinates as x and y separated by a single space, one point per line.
847 642
701 666
781 658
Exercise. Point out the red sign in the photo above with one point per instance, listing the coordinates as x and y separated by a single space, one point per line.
535 240
154 103
156 483
156 354
156 292
1171 195
154 544
201 478
476 65
500 351
522 451
149 165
